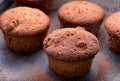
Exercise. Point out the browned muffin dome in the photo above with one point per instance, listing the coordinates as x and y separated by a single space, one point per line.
24 21
81 13
71 44
112 24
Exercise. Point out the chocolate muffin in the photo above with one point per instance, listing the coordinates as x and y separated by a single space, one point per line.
44 5
70 51
81 13
24 28
112 26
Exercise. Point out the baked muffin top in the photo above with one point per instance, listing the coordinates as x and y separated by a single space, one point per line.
81 12
24 21
112 24
71 44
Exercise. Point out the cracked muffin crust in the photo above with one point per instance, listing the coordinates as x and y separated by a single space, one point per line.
24 28
81 13
70 47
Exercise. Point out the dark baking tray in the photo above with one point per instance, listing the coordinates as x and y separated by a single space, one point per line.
34 67
4 4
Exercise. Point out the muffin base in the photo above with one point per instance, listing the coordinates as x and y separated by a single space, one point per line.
114 43
44 5
25 44
93 28
70 69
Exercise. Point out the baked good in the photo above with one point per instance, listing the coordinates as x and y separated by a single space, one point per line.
44 5
24 28
81 13
112 26
70 51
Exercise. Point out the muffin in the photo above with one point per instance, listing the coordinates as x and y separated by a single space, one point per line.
44 5
81 13
112 26
70 51
24 28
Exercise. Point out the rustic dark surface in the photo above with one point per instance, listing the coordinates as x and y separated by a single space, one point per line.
34 67
4 5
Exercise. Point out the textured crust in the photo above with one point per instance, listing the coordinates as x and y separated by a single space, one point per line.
71 44
70 69
44 5
112 24
24 21
81 12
